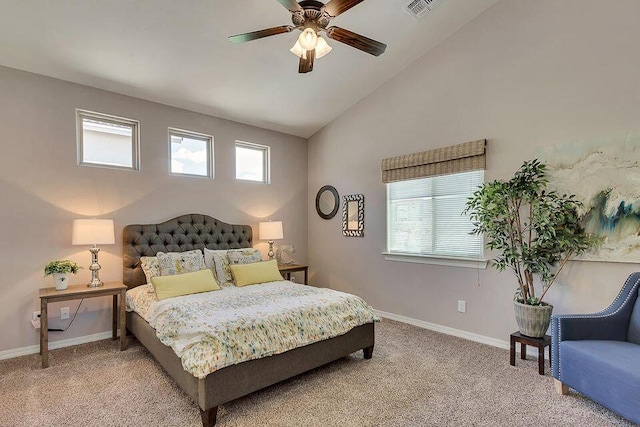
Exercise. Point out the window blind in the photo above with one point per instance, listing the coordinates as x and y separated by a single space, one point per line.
447 160
425 216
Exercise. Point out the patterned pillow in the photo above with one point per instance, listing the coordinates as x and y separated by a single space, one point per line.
244 256
221 268
150 267
180 262
217 261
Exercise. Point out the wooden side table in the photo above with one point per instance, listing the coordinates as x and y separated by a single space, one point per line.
287 269
73 292
524 340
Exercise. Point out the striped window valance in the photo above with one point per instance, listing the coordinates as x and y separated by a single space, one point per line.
441 161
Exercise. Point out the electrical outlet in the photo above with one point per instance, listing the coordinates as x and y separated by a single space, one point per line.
292 278
462 306
36 323
64 313
35 315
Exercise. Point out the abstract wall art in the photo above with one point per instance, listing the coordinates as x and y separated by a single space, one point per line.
604 174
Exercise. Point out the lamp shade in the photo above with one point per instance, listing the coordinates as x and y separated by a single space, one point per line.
271 230
93 232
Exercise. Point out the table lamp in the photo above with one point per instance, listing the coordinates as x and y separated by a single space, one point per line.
270 231
93 232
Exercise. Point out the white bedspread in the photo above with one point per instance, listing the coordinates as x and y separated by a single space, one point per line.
211 330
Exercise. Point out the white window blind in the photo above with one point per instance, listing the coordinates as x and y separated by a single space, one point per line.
424 216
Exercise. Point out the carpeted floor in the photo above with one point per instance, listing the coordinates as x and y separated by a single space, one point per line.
416 378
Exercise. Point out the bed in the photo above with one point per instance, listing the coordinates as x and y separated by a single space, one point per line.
195 231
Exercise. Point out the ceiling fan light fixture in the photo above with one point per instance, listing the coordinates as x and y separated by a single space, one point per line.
322 49
308 39
298 51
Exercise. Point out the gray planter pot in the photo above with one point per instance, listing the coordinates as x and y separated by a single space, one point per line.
533 320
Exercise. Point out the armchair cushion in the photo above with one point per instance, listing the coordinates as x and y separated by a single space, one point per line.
605 371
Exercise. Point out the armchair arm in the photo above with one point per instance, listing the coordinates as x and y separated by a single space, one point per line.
609 324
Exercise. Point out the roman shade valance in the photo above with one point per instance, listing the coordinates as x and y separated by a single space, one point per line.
441 161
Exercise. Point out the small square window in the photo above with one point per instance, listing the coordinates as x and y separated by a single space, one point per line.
190 153
252 162
107 141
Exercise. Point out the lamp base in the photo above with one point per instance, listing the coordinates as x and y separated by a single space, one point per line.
271 253
95 284
95 268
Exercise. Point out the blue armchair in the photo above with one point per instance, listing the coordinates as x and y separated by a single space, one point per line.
599 354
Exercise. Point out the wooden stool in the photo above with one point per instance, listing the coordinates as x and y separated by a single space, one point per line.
524 340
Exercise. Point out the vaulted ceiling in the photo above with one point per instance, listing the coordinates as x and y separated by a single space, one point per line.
177 53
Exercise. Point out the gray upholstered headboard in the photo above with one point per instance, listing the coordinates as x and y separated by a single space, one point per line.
184 233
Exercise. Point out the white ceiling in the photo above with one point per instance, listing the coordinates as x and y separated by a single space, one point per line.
177 53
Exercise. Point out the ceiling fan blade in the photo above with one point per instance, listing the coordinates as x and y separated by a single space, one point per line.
306 64
363 43
247 37
292 5
336 7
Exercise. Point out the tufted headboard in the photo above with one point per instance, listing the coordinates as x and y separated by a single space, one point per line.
184 233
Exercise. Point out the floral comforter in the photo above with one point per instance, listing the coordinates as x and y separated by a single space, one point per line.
212 330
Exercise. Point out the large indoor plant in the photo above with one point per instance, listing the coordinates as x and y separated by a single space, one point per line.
60 271
534 232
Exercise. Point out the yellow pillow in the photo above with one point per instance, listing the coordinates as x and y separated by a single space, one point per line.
184 284
256 272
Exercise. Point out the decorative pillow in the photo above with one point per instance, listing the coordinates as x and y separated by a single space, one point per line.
218 267
221 268
150 267
220 261
208 257
172 263
244 256
184 284
256 272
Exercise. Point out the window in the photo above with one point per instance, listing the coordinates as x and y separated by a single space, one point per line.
190 153
107 141
252 162
424 216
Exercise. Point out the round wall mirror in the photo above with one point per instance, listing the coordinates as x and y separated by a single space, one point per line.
327 202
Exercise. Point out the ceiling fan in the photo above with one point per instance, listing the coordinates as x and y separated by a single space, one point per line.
312 17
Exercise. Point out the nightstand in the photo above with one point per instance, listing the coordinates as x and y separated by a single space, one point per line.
48 295
287 269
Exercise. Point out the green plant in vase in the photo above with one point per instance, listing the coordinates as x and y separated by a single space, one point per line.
535 231
60 271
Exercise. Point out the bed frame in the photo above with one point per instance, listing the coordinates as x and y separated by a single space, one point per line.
195 231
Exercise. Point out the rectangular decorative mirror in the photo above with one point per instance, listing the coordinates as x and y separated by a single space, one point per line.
353 215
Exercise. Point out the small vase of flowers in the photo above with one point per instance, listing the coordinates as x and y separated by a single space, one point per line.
60 271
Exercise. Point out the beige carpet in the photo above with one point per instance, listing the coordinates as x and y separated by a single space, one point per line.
416 378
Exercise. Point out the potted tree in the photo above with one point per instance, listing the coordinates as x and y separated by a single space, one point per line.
60 271
534 231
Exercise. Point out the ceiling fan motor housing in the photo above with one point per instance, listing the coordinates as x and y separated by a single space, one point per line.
311 13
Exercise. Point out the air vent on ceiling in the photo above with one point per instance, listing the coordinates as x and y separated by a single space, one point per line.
419 8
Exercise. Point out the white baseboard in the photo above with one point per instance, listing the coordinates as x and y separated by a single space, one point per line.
34 349
494 342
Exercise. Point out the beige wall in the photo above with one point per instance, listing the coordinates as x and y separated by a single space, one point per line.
42 190
524 74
